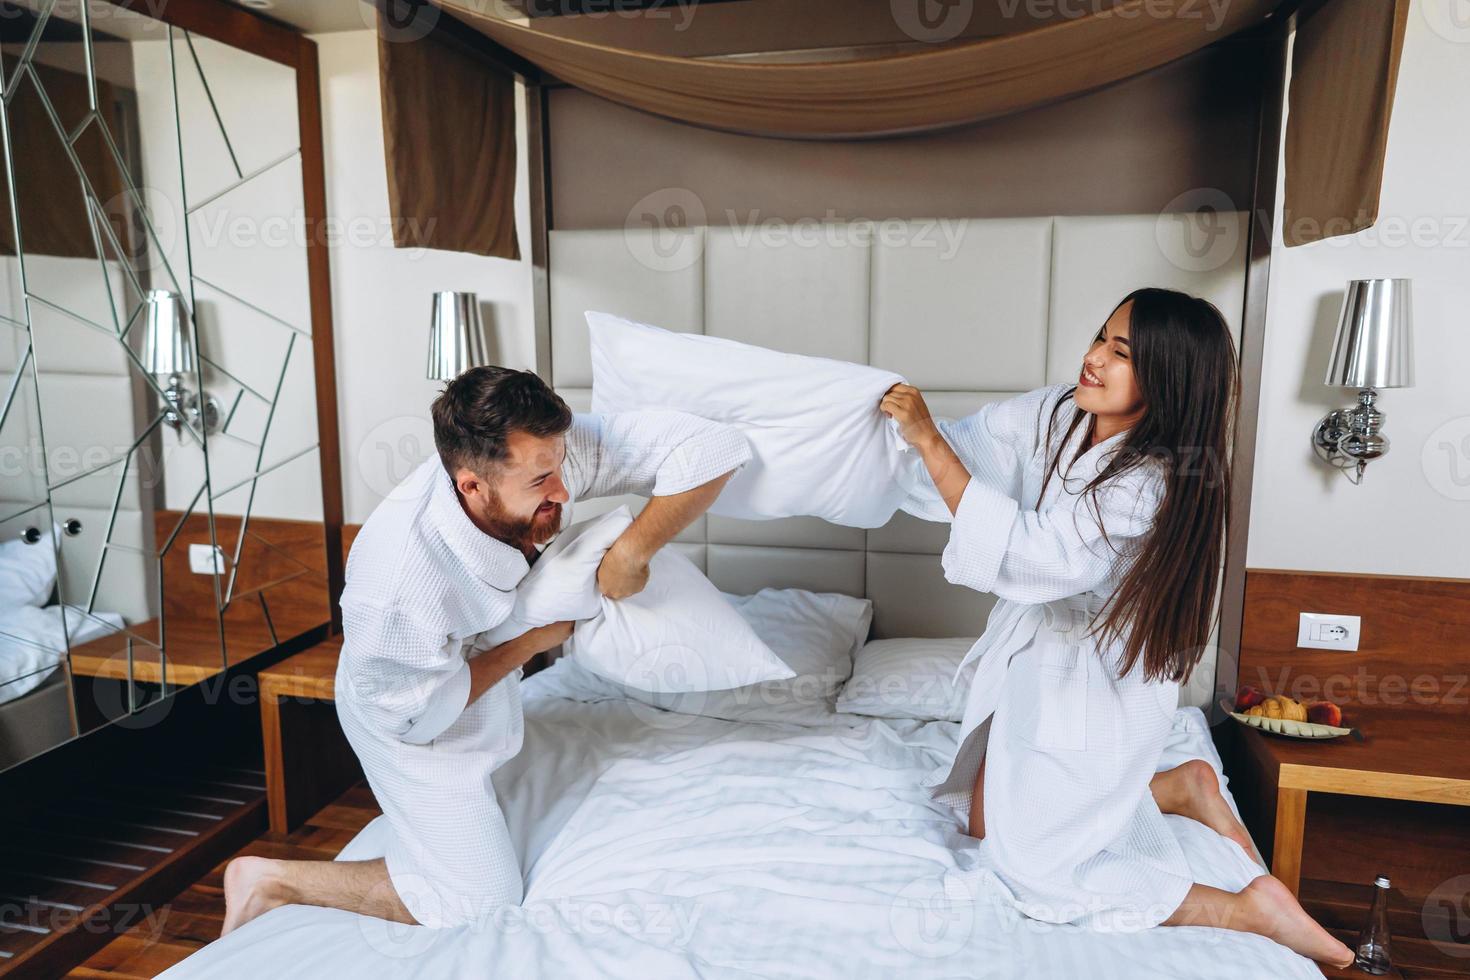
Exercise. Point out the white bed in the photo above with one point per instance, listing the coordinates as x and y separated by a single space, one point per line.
657 844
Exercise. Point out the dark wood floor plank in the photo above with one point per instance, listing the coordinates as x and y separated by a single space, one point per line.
193 917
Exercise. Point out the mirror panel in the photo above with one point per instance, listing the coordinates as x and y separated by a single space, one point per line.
156 354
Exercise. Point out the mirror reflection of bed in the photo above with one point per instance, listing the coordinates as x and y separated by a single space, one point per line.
158 370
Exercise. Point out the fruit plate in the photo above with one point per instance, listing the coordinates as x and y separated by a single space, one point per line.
1291 729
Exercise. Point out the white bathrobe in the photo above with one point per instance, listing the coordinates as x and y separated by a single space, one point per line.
423 584
1071 828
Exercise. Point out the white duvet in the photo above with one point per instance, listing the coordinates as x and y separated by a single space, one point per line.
665 845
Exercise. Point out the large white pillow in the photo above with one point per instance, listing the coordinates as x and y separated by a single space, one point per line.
907 678
814 633
819 445
677 635
27 572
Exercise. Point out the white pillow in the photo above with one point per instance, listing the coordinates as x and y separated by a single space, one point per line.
814 633
907 678
677 635
27 572
819 445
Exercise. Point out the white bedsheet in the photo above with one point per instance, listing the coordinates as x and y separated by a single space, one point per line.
659 845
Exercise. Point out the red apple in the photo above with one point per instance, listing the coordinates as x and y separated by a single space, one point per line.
1324 713
1248 697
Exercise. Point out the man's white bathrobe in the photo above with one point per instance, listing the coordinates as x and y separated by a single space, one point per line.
1071 828
423 584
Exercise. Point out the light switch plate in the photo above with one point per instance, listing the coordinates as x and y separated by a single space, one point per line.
1328 631
205 559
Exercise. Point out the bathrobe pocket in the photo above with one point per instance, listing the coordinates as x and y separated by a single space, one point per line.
1059 722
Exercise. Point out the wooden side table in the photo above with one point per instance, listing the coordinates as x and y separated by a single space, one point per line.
1405 755
308 762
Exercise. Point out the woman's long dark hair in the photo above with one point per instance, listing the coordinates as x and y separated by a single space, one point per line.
1184 362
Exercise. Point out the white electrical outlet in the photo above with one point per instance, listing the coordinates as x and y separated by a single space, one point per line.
1328 631
206 559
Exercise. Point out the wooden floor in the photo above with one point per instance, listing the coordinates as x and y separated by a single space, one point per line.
91 862
194 917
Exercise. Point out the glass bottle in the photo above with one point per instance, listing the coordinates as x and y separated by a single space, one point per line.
1372 949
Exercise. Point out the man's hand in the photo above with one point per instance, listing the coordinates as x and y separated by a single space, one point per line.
547 637
623 572
491 666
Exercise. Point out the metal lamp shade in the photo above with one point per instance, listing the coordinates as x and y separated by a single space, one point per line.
167 345
1375 338
456 337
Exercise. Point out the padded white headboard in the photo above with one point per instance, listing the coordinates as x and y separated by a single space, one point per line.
969 310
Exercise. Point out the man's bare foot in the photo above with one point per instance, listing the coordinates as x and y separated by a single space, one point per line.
1277 915
1199 798
252 888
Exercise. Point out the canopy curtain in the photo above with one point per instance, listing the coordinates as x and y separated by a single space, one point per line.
449 140
881 96
1344 68
1345 64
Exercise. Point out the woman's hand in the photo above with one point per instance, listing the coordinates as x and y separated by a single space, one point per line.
905 404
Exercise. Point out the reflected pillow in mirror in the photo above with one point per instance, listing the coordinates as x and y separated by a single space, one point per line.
27 571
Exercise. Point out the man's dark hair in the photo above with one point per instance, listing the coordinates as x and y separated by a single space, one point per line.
478 411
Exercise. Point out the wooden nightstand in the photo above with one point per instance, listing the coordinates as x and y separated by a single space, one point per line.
1406 755
308 762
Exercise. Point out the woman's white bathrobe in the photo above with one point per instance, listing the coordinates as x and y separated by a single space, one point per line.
423 584
1071 828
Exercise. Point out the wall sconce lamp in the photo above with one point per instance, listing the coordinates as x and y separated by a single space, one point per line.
1374 348
168 349
456 336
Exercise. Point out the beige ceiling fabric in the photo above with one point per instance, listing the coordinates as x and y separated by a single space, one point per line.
1344 69
940 87
449 138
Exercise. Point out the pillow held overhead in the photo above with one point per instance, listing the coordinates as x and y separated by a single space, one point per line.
820 446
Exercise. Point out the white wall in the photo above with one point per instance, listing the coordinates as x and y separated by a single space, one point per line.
381 295
1411 516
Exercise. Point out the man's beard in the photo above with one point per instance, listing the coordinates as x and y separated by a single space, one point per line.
522 532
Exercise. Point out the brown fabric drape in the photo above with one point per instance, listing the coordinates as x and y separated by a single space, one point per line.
449 136
934 88
1344 67
1345 63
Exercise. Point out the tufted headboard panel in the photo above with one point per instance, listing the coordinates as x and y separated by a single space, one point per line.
969 310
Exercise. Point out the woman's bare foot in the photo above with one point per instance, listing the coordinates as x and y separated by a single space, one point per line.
252 888
1193 790
1277 915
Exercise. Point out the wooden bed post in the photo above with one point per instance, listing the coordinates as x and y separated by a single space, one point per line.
1259 236
538 167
